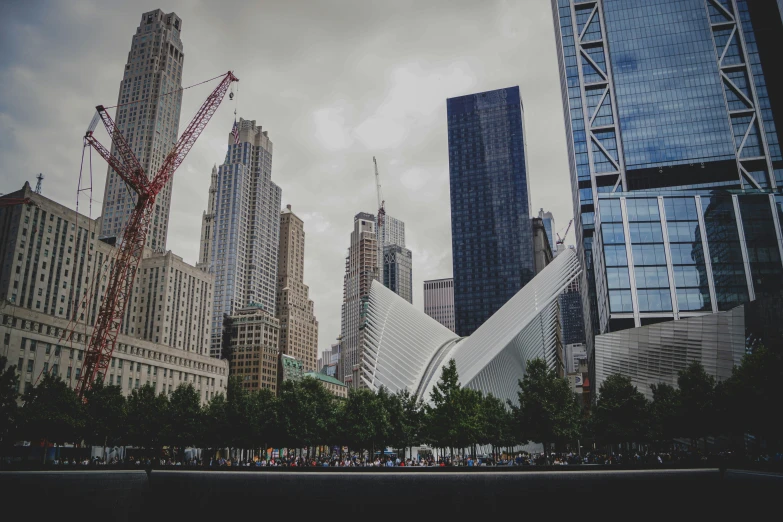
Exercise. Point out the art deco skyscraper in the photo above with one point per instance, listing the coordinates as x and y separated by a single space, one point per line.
148 116
491 234
298 325
243 229
361 268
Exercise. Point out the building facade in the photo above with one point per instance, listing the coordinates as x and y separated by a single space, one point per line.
684 254
439 301
361 269
251 341
656 353
398 271
288 369
52 270
244 228
548 221
571 317
490 204
542 252
298 325
148 120
660 96
334 386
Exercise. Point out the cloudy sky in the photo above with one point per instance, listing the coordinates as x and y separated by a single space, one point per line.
334 82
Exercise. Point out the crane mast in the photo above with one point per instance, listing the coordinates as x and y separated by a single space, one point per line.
129 252
381 202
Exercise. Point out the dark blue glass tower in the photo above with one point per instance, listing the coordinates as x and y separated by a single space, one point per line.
664 96
491 232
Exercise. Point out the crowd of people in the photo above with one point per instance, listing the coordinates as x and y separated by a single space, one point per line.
391 460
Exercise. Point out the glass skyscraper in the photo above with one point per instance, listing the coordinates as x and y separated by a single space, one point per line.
491 231
668 98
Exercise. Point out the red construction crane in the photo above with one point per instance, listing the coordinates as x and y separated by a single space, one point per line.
129 251
560 240
10 202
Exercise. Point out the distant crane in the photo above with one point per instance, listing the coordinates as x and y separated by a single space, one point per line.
39 185
561 240
129 252
381 202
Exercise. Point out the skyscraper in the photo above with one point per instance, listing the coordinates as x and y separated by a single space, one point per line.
670 104
298 325
148 113
548 220
398 271
361 268
439 301
491 234
396 261
243 228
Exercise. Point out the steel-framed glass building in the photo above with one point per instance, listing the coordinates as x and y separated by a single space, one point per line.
492 239
662 96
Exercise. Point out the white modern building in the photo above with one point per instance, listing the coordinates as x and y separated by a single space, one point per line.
148 120
439 301
241 229
406 349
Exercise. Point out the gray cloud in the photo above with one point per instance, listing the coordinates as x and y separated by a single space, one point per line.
334 83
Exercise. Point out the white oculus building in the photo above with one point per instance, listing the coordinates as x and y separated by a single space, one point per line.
406 349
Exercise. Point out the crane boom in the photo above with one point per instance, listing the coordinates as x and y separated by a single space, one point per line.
381 202
129 252
561 240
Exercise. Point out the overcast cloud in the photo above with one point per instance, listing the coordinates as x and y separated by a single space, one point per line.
334 83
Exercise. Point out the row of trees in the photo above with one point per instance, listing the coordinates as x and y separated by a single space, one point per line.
306 415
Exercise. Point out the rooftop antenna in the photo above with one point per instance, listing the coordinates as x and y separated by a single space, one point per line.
39 185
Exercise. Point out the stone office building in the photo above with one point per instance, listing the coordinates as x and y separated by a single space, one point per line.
53 273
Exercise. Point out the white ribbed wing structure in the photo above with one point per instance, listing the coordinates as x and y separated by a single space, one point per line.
404 348
399 341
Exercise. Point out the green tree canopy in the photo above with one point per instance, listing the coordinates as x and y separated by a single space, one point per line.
548 412
146 414
621 413
9 409
697 402
52 411
753 389
106 415
443 412
361 418
665 413
184 417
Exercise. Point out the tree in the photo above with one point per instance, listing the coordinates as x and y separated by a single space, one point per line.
411 422
239 417
754 387
264 418
106 415
53 412
146 414
9 409
697 400
185 421
216 430
548 412
664 413
360 418
470 418
443 413
621 413
496 419
306 413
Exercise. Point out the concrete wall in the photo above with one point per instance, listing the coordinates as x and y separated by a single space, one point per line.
411 493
